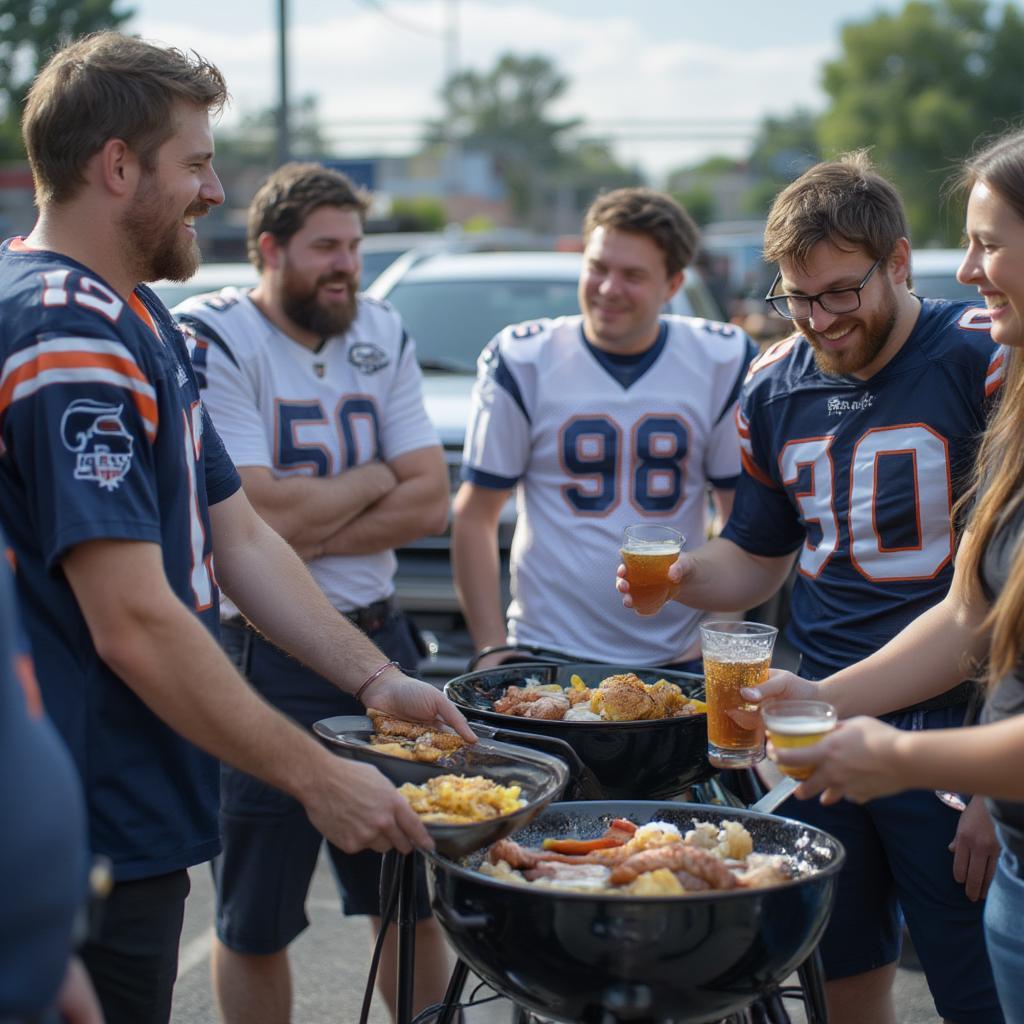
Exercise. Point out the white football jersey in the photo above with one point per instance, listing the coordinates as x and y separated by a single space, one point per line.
281 405
594 442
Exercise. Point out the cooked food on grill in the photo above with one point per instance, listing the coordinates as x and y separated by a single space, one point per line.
619 698
411 741
647 860
461 800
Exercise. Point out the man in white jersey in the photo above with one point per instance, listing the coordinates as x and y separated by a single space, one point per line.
316 393
618 416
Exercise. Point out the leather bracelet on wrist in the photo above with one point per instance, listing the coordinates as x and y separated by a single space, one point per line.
374 676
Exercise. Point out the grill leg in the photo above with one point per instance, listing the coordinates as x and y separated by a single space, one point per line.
450 1006
812 981
406 938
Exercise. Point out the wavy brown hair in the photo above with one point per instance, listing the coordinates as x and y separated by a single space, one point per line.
108 86
997 489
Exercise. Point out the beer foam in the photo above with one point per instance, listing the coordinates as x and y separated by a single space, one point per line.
652 547
798 726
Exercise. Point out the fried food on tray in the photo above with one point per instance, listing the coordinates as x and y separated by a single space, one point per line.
651 860
618 698
460 800
412 741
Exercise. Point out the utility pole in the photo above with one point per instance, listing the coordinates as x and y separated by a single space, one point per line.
451 68
283 132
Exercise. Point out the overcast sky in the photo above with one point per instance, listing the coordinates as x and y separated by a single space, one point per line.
707 68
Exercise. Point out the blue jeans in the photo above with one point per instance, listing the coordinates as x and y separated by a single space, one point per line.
1004 935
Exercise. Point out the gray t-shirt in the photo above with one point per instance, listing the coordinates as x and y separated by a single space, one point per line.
1006 698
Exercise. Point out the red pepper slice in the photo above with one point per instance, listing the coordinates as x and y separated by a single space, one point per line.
623 825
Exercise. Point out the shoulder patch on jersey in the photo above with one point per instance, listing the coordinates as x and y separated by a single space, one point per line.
977 318
716 327
367 357
96 434
527 329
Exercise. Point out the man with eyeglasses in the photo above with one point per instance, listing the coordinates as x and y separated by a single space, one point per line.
857 432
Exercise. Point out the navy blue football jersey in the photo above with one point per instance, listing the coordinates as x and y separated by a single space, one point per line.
104 437
861 477
43 860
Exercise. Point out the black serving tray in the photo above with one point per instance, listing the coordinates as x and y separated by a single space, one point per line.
542 777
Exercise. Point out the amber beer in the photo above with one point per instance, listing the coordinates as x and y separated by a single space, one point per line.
647 552
736 654
791 724
723 681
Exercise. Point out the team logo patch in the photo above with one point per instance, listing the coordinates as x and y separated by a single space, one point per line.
368 358
96 434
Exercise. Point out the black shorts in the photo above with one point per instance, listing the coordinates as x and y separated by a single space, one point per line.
269 847
133 961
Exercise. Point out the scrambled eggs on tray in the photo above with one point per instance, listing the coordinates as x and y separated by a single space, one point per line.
461 800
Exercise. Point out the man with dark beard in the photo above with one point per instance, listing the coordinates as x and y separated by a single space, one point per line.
317 394
116 494
858 433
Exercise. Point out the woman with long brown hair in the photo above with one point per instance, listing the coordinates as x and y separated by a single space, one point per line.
978 630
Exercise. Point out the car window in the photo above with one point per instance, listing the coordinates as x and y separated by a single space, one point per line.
942 286
453 320
374 263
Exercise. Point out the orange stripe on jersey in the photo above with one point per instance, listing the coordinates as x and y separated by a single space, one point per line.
20 245
26 674
11 559
143 314
756 472
996 372
772 354
46 362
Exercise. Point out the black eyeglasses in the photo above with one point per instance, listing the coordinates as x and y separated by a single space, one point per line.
835 300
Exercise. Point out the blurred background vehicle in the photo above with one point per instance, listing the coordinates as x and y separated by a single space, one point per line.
934 272
453 301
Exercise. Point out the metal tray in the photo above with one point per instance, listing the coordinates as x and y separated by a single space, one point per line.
541 776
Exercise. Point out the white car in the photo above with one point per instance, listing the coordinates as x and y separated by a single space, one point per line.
934 274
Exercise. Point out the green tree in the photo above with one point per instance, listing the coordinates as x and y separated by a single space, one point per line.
920 87
505 112
783 149
30 30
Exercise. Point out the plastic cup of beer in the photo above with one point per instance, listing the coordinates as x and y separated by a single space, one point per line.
791 724
736 654
647 552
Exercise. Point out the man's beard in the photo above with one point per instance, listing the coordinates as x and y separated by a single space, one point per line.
154 248
302 305
876 334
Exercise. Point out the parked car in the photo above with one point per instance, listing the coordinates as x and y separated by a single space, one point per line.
934 273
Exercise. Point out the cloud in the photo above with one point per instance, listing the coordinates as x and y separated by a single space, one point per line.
366 67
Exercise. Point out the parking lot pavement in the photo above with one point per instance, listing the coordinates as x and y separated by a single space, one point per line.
331 958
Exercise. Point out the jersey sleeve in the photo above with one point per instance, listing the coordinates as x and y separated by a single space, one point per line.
222 479
497 449
406 426
78 418
722 459
763 520
230 397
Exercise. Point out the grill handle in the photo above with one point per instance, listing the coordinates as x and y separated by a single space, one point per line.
581 778
467 922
